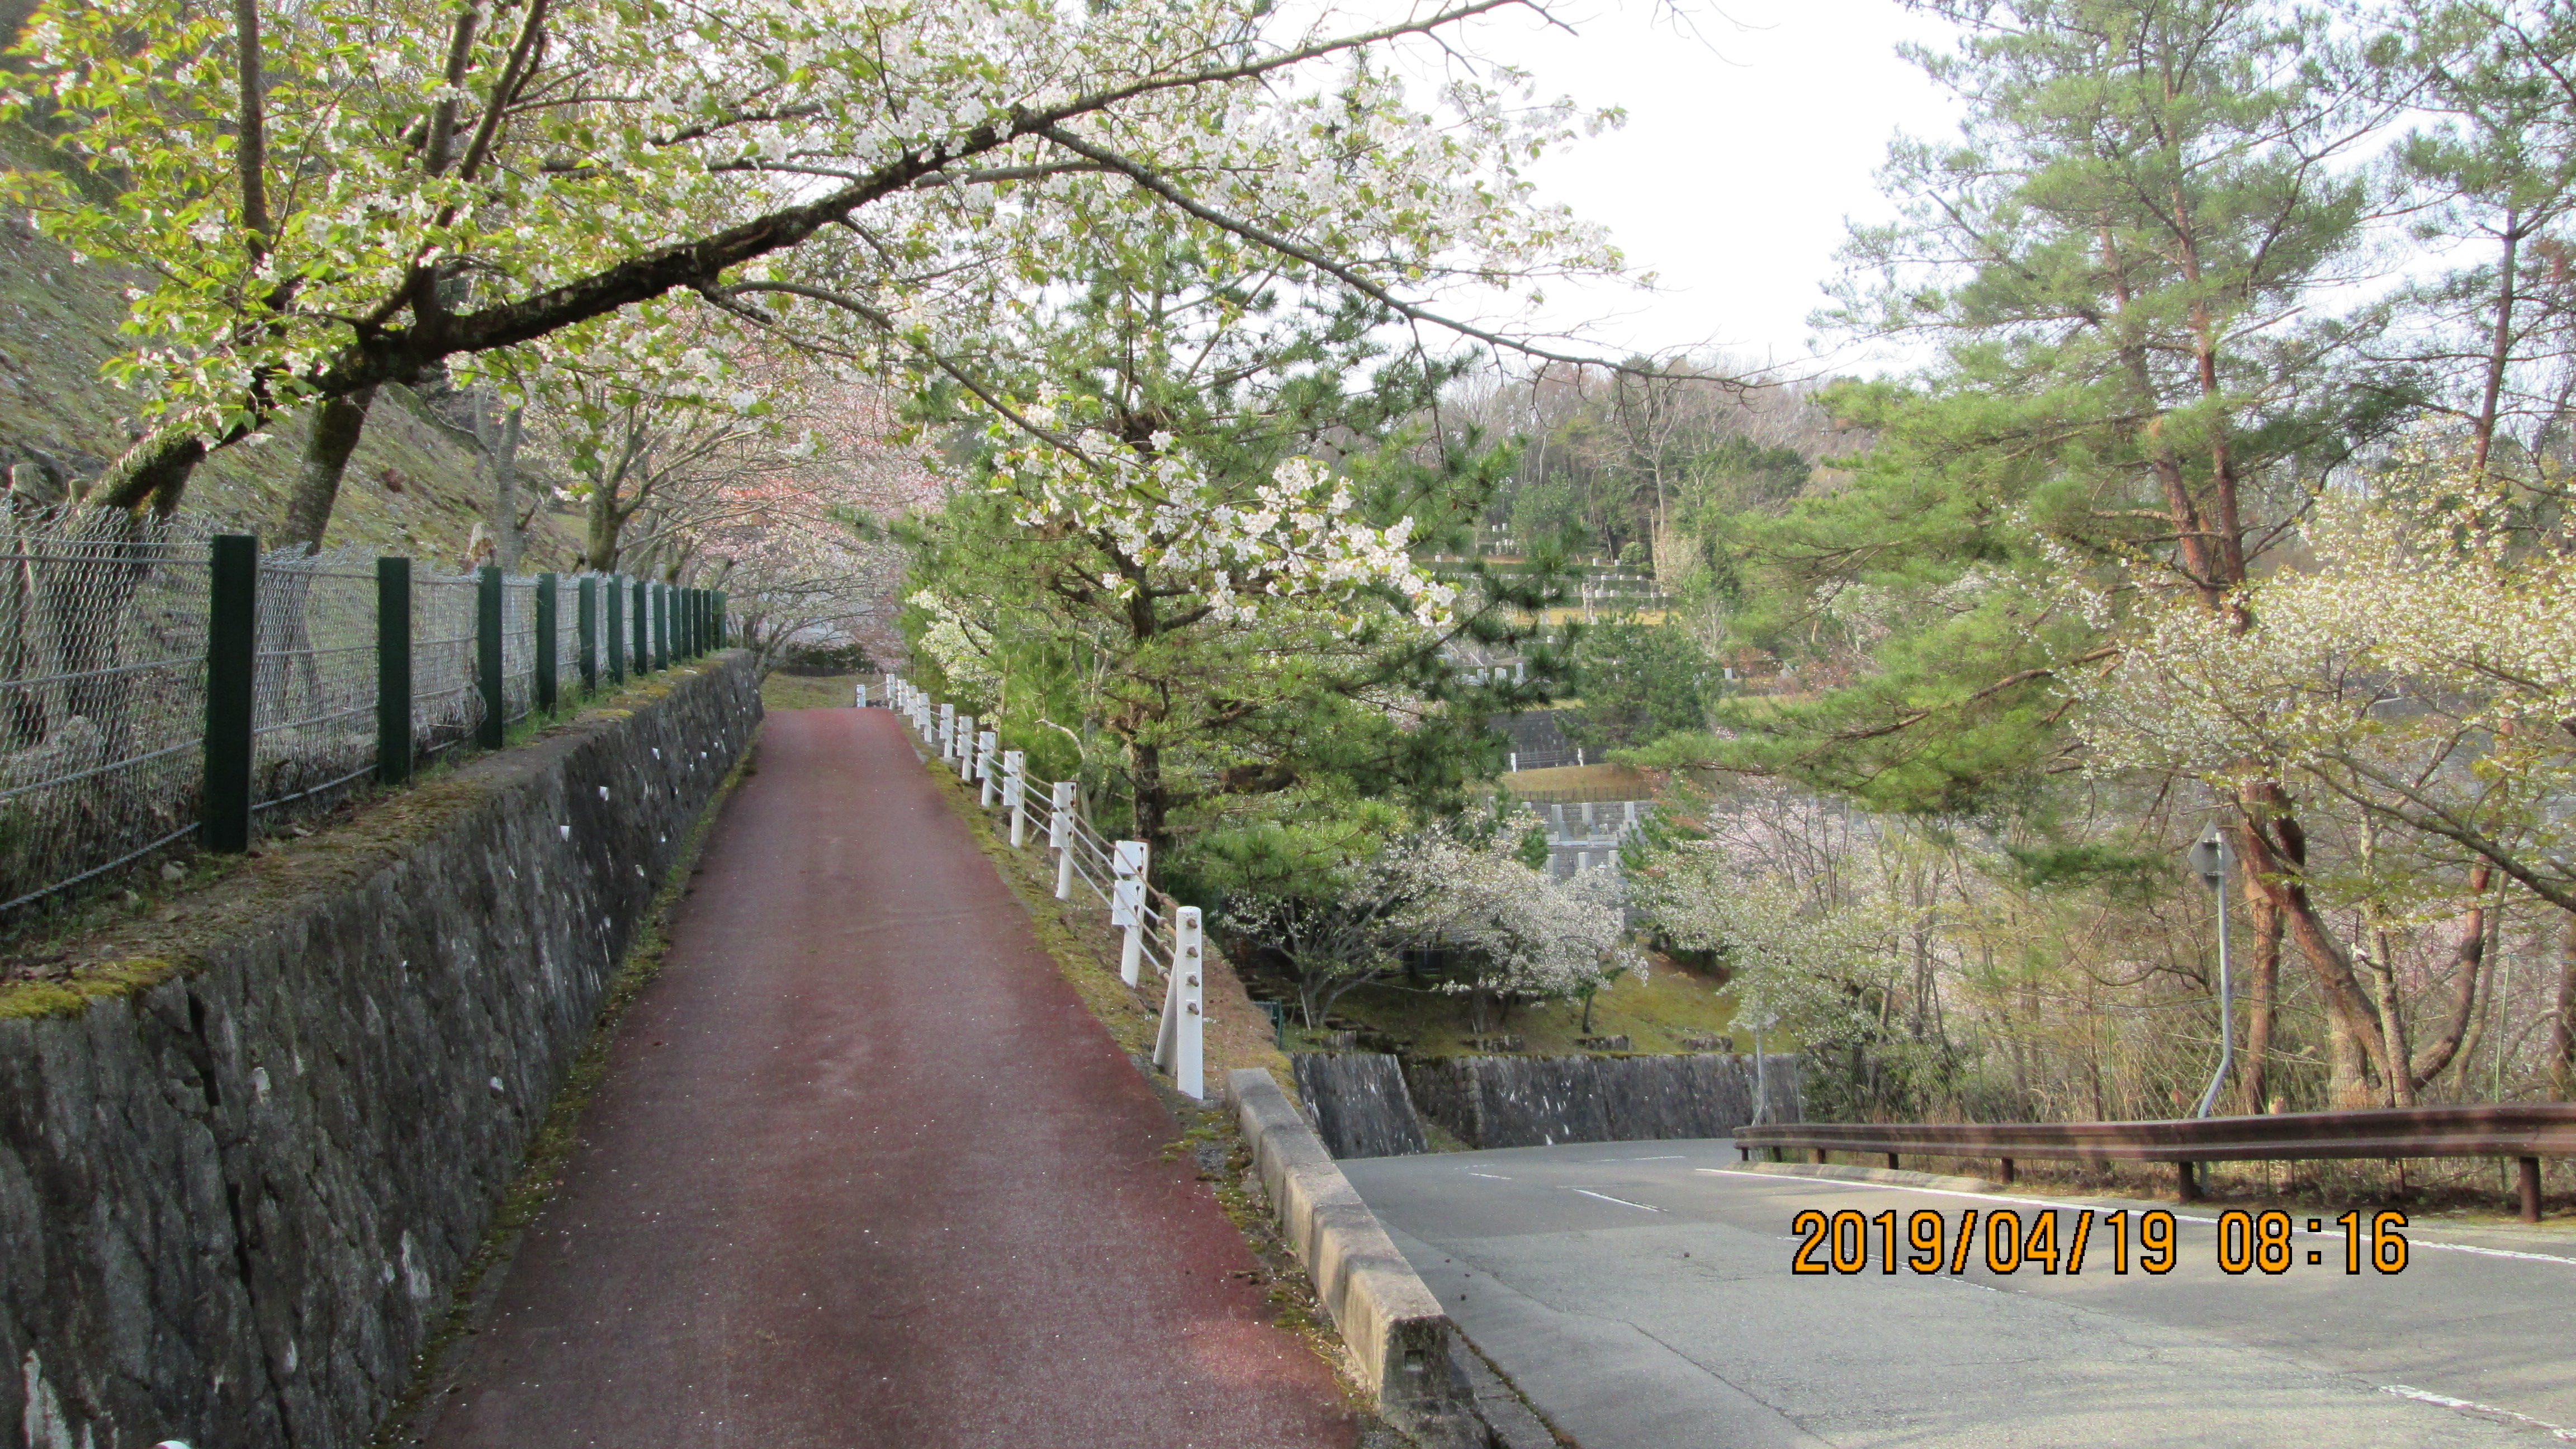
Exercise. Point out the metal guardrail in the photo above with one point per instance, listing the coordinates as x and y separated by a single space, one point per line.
2523 1132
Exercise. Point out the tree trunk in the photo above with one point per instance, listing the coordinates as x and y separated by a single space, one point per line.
501 457
1152 799
2562 1017
2399 1083
336 429
2500 349
154 471
2276 857
602 524
2469 957
2261 1005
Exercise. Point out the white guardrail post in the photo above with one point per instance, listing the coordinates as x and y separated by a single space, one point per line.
1180 1047
1015 794
1060 836
1127 905
863 696
1180 1044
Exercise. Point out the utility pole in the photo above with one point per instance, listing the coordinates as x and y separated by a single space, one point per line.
2212 858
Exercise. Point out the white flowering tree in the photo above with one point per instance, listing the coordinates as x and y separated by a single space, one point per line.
1194 605
1525 934
319 198
2421 676
1512 933
1795 964
2423 670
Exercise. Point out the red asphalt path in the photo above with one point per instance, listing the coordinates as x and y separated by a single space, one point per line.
865 1172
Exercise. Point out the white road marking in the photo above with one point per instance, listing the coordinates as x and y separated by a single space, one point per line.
2471 1406
1621 1201
1496 1176
2412 1241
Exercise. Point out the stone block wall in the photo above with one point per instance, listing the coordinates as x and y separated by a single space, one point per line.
235 1199
1536 1101
1359 1104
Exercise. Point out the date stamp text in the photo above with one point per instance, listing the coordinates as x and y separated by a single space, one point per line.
2069 1240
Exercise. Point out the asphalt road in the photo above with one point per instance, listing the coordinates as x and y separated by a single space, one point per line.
1641 1294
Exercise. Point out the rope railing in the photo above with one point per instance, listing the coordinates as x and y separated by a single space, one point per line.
1156 930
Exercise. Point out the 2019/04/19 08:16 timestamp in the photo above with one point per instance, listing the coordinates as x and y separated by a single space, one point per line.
2246 1242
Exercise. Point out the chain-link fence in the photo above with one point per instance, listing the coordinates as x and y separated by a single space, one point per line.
158 682
102 700
313 726
445 707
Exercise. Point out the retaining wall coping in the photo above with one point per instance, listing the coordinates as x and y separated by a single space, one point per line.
1398 1333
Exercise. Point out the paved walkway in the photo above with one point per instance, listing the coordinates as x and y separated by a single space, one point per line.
864 1172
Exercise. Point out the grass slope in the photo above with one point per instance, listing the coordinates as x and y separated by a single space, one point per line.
411 488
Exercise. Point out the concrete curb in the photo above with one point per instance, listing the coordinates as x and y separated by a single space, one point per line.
1868 1174
1406 1348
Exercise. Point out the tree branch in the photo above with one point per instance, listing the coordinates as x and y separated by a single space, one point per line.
1154 182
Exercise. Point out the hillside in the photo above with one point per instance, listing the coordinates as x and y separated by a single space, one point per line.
410 489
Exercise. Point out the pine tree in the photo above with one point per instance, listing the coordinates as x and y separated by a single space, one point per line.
2113 264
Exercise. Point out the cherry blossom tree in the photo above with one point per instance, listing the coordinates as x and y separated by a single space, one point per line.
412 184
1514 932
1795 964
2420 678
1526 934
796 532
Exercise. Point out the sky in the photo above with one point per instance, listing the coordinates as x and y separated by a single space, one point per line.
1753 133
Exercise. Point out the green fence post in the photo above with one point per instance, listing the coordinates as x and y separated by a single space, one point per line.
394 746
549 641
586 636
721 641
232 664
487 656
661 626
686 645
643 626
614 586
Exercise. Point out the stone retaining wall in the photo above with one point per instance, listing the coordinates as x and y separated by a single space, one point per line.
1536 1101
235 1199
1359 1103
